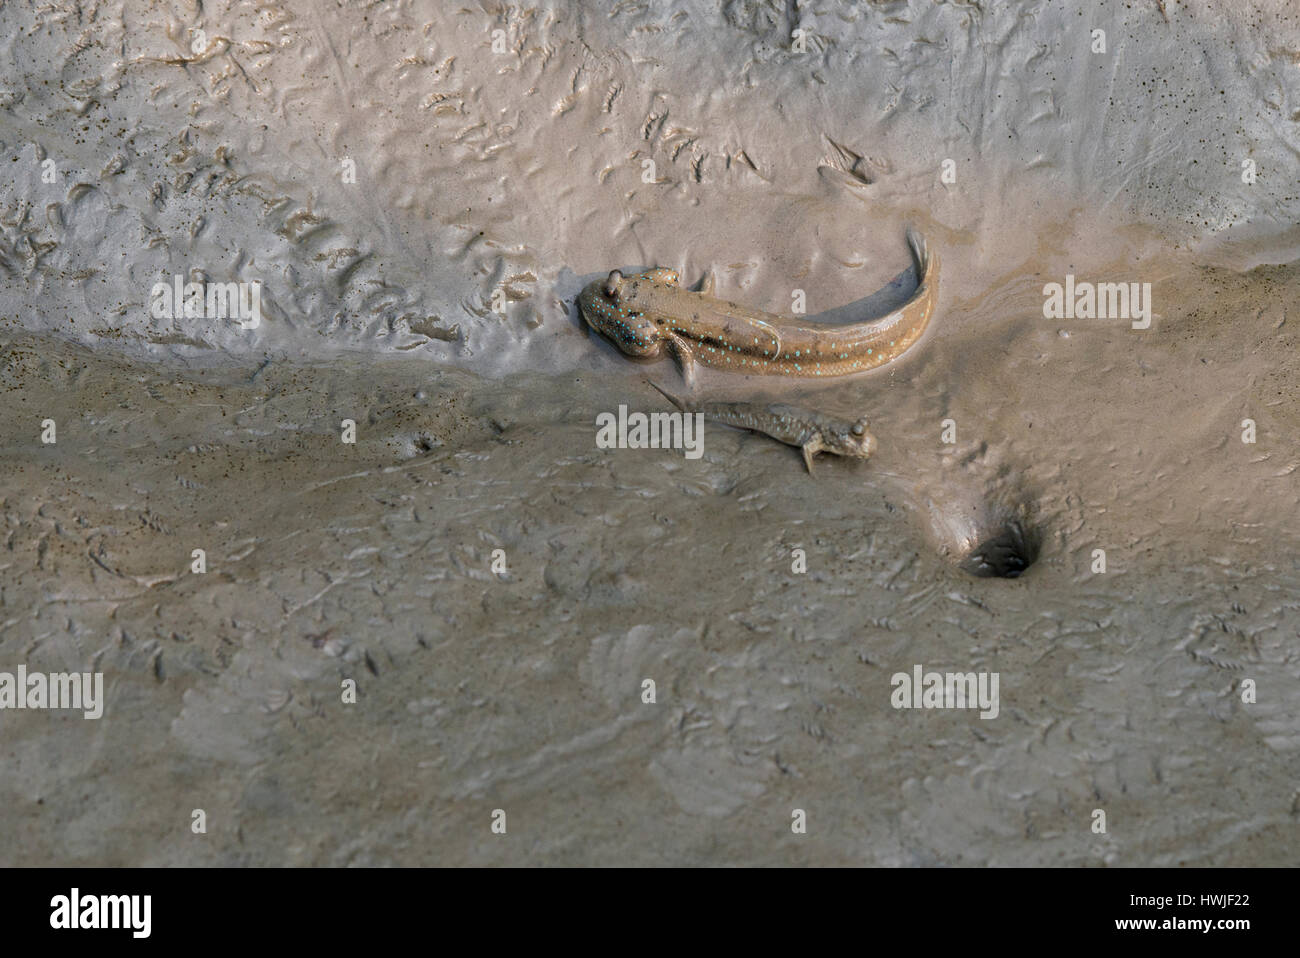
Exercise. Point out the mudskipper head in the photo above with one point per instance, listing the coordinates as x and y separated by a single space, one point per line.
604 306
851 440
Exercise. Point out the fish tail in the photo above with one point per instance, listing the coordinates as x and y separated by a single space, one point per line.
920 251
670 397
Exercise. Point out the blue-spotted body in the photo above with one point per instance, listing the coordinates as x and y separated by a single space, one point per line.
811 432
648 312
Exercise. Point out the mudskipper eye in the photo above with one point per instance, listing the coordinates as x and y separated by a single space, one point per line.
858 429
611 284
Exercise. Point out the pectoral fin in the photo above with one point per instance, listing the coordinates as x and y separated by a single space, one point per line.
810 449
685 358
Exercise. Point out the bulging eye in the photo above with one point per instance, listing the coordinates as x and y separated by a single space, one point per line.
611 284
858 429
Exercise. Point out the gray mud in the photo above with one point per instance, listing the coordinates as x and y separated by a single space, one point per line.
522 690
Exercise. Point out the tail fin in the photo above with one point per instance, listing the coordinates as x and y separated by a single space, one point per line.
670 397
920 252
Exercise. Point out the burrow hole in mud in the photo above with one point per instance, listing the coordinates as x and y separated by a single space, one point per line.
1003 553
